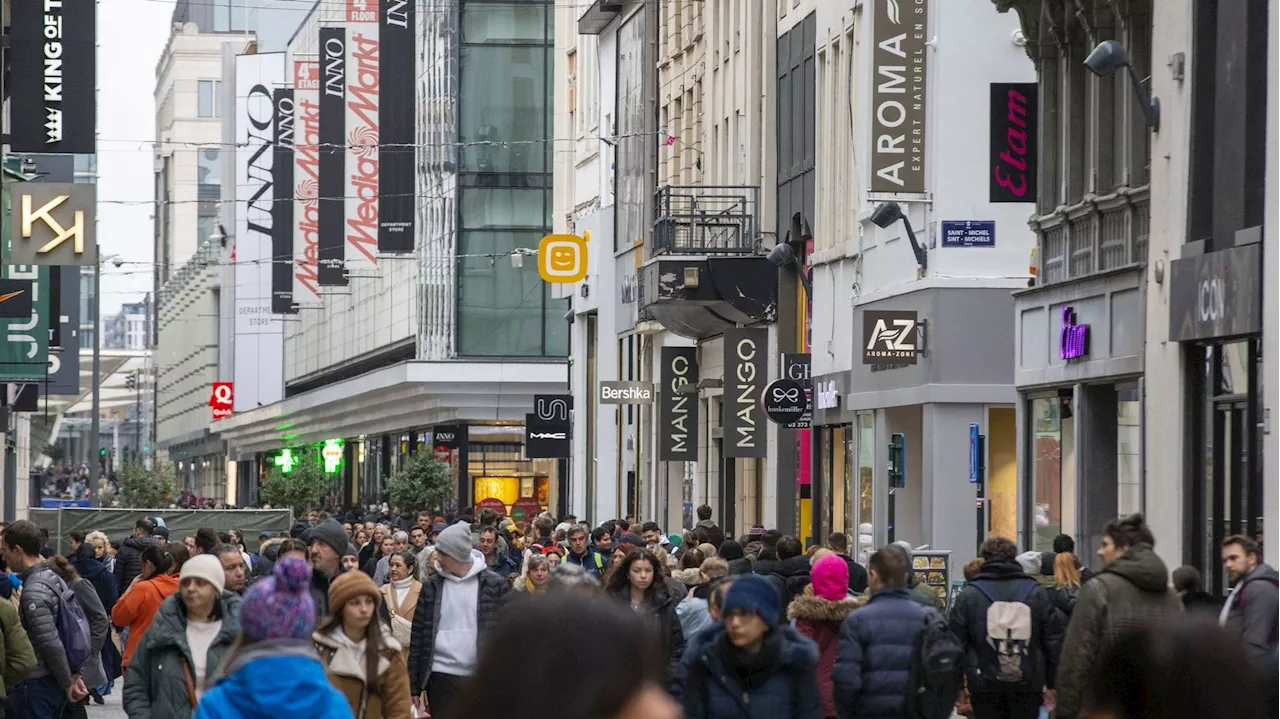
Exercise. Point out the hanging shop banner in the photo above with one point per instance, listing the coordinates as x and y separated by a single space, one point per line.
890 337
362 136
51 79
899 64
22 397
785 402
1216 294
625 392
258 359
1014 133
306 177
398 88
799 367
15 299
678 405
333 143
548 429
745 370
64 361
24 349
282 208
52 223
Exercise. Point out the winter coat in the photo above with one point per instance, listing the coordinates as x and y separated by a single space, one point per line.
820 620
926 595
662 612
137 609
274 679
1202 602
17 658
492 593
389 695
156 683
1254 608
782 688
857 576
792 576
593 562
268 553
408 603
39 612
129 560
99 630
968 619
504 564
104 583
1130 593
320 592
711 534
1064 600
736 558
873 657
765 562
1046 567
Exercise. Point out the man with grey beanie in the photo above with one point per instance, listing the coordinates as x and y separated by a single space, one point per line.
457 606
327 542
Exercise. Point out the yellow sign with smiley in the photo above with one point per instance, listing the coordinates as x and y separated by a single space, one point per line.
562 259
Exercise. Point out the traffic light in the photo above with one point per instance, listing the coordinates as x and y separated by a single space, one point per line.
131 382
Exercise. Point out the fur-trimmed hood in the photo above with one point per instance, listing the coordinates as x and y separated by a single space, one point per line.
807 606
689 577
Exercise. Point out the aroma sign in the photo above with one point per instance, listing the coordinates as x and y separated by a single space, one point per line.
1014 128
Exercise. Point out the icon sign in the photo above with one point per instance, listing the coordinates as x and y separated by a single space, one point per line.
223 399
785 401
562 259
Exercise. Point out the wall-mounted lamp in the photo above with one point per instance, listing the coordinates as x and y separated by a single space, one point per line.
1110 56
788 252
887 213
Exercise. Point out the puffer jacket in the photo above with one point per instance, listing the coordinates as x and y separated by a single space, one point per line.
156 683
89 567
783 687
820 620
129 560
253 688
93 672
493 591
388 697
39 613
968 620
1064 600
873 657
17 658
1130 593
792 576
662 612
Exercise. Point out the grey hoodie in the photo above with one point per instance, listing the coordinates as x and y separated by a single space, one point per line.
1252 612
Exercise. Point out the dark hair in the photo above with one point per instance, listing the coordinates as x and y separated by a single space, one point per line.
770 538
620 580
374 647
1063 543
704 513
1129 531
543 526
1187 579
77 536
61 566
207 540
159 556
598 533
25 535
996 548
789 547
560 627
890 564
650 527
622 524
486 529
1146 675
410 559
838 542
692 558
973 569
488 517
1249 546
292 544
146 526
414 528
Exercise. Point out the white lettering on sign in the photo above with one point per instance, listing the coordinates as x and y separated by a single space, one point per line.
1213 302
680 405
828 395
644 394
746 381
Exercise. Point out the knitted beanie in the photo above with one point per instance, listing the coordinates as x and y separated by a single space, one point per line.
830 577
754 593
348 586
280 606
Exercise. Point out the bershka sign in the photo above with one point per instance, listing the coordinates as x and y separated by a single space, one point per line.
1014 131
396 150
51 77
362 135
745 350
678 405
899 62
333 143
890 337
282 207
306 175
626 392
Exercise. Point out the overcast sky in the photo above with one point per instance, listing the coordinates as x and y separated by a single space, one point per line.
131 36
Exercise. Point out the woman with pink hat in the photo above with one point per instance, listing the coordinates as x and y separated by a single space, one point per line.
818 614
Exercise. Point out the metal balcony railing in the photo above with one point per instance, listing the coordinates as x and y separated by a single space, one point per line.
706 220
1096 235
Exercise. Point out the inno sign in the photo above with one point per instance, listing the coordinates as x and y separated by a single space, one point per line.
744 373
898 97
1073 338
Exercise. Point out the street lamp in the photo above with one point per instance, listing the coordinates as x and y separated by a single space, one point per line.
1110 56
887 213
94 426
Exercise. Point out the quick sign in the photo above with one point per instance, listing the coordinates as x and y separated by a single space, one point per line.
222 399
52 223
785 401
968 233
899 62
890 337
745 350
1073 337
678 405
626 392
52 76
1013 150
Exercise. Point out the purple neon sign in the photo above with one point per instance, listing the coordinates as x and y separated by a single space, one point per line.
1073 340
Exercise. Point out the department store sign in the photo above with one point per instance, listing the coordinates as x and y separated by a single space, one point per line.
899 62
1216 294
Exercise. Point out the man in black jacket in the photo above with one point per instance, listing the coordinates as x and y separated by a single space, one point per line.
838 542
1005 681
711 534
327 542
129 558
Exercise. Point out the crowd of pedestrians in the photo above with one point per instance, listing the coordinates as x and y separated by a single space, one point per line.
476 615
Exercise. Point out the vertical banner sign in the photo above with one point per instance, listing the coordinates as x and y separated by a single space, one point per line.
799 367
52 68
362 134
64 365
333 144
306 177
678 410
1015 123
547 430
899 62
745 370
258 360
282 206
398 87
24 342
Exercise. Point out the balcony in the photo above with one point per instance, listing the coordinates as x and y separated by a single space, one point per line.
1099 234
706 220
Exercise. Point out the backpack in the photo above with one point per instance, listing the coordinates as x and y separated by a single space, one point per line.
73 624
937 670
1008 633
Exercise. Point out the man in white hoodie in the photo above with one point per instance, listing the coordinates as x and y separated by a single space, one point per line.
457 606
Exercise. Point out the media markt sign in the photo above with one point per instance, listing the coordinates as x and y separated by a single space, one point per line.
53 224
626 392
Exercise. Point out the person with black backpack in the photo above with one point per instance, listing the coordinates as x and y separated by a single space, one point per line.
56 624
1011 635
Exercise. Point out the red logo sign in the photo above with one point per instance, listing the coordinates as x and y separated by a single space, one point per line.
223 399
494 504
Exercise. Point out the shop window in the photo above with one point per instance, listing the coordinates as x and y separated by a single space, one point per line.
1053 469
1128 451
865 488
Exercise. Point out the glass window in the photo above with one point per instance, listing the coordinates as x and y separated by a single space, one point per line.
208 100
865 535
504 23
1128 455
209 167
1053 466
506 98
495 209
206 221
503 310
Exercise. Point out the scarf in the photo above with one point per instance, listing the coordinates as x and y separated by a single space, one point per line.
753 670
399 588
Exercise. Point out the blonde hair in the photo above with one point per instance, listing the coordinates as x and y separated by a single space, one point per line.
98 540
714 567
1066 570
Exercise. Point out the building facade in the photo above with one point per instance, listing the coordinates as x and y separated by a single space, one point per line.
128 329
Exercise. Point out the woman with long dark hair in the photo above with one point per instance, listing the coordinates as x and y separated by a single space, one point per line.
137 607
362 658
637 581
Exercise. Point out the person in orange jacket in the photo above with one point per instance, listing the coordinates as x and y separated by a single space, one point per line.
135 609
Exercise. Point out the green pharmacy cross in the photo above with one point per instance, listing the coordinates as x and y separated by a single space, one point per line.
286 461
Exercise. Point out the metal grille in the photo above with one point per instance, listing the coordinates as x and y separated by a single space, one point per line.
1081 238
706 220
1113 241
1054 260
1109 233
